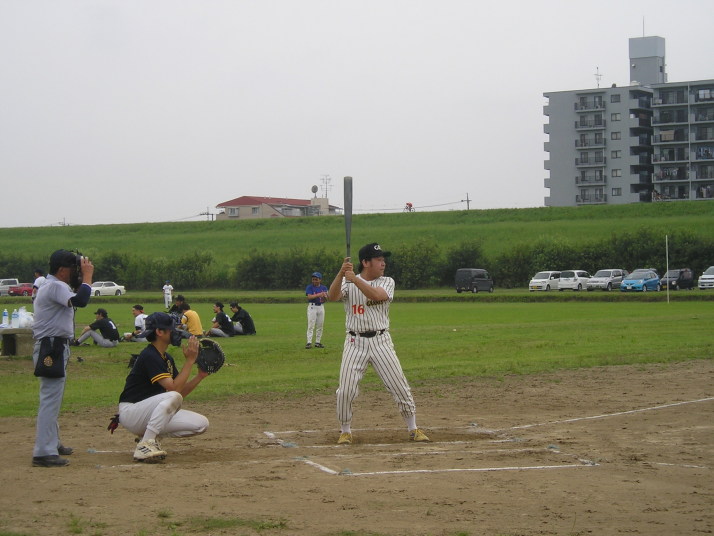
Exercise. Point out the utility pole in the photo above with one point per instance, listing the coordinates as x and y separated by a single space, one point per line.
209 215
467 201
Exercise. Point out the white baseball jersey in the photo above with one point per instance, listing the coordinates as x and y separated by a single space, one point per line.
363 314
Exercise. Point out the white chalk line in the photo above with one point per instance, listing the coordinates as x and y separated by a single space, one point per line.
452 470
617 414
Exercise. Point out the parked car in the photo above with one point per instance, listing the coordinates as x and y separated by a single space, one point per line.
107 288
607 279
473 280
573 280
23 289
643 279
706 280
547 280
5 285
677 278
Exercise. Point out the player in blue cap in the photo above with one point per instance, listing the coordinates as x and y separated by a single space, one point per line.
316 294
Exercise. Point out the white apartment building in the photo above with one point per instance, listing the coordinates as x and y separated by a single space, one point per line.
650 141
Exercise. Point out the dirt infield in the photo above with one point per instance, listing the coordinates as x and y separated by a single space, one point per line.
617 450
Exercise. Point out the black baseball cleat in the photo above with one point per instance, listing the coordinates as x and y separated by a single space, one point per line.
64 451
308 346
49 461
318 345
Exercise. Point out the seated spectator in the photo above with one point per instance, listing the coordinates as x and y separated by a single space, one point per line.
242 321
139 325
222 325
103 331
190 322
175 309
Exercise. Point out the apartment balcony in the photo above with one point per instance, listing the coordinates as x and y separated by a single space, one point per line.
704 153
676 137
670 100
591 199
643 177
704 116
641 103
591 162
640 122
679 156
672 174
704 136
598 180
670 120
589 106
700 173
589 144
590 124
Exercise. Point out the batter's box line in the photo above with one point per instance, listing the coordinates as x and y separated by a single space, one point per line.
617 414
347 472
290 444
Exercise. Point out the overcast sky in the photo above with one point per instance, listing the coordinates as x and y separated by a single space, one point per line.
119 111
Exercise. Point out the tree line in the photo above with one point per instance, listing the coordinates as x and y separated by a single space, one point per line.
419 264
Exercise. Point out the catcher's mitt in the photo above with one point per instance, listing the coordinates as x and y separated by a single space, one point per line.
210 356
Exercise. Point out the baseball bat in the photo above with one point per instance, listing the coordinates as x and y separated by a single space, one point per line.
348 212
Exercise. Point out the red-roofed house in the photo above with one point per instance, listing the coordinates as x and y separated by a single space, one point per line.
249 206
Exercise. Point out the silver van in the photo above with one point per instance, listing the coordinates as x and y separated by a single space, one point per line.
547 280
473 280
607 279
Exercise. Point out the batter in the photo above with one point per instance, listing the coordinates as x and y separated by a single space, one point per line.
367 297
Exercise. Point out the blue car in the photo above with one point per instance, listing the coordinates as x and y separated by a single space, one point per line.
640 280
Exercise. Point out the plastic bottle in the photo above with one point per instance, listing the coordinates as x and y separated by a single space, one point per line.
5 318
15 319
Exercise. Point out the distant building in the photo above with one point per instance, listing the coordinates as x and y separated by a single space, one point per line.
251 207
650 141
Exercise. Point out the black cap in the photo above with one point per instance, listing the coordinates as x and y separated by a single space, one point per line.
371 251
62 258
101 311
138 307
157 321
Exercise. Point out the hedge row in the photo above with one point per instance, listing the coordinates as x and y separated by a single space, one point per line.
422 264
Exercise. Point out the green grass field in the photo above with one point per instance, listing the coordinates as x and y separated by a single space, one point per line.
437 341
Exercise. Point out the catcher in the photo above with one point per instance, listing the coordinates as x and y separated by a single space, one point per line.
150 404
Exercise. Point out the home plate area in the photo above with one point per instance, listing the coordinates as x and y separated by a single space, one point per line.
388 451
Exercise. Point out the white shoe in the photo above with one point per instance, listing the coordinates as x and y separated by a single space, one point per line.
149 451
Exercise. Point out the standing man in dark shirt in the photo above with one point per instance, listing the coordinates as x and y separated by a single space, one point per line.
68 285
102 330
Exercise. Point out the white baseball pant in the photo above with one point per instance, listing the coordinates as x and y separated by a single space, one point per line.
315 320
359 352
161 416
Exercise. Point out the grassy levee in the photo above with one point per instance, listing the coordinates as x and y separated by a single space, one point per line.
437 341
497 230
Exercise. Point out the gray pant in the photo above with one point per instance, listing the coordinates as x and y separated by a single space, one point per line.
51 392
98 338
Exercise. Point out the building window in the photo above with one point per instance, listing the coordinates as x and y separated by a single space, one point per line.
616 154
232 211
615 98
255 211
615 117
616 192
615 136
617 173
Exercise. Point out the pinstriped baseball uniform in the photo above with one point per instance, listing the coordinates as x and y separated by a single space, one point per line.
364 317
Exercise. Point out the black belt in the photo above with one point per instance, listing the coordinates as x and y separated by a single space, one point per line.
318 304
367 334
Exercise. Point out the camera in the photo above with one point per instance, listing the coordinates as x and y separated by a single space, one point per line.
75 280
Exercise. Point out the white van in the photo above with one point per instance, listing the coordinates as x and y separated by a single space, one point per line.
5 285
706 280
548 280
